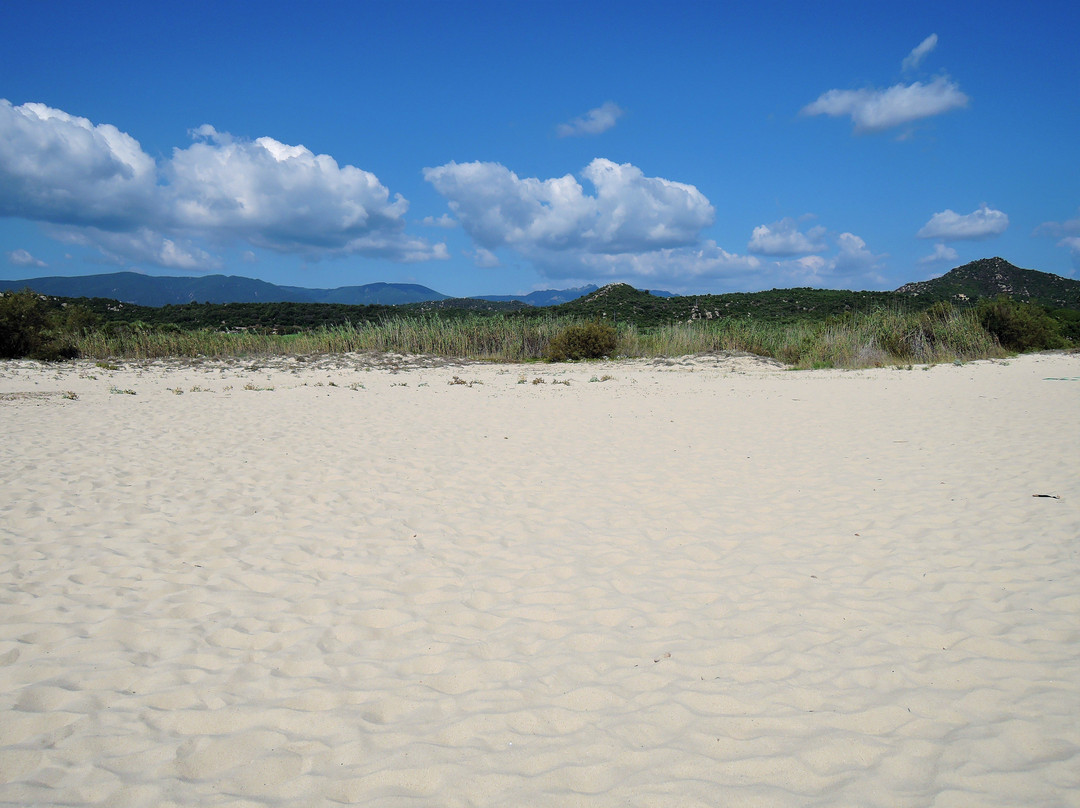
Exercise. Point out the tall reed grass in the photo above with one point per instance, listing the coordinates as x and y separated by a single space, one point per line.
874 338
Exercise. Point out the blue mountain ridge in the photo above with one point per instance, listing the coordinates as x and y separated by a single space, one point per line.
162 290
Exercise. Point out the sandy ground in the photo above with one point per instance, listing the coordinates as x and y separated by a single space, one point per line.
705 581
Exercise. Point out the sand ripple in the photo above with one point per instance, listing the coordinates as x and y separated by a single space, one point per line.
701 583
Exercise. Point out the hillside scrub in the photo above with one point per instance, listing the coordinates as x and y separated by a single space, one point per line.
32 327
1020 326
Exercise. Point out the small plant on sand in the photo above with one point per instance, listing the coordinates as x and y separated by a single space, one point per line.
106 366
176 391
538 380
71 395
250 386
118 391
585 341
357 386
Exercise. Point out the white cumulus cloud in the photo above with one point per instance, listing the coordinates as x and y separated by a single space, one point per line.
22 258
919 52
284 198
878 110
592 122
61 169
629 212
631 227
97 183
940 254
950 226
852 265
853 257
783 238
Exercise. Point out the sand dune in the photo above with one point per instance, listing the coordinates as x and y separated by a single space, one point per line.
704 581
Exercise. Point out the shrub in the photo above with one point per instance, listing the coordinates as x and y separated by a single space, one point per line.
28 327
585 341
23 318
1019 326
1068 321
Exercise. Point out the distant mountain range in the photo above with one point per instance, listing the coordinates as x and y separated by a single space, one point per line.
155 290
548 297
987 277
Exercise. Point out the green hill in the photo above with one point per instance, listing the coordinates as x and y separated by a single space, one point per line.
991 277
620 302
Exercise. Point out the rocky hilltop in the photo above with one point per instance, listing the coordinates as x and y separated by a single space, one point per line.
990 277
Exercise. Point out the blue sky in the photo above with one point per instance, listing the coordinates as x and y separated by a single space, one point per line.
510 146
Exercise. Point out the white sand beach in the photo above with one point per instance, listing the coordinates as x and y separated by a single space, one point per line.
705 581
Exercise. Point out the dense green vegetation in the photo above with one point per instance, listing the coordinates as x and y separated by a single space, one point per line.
622 303
1020 326
40 328
801 327
992 277
875 338
583 341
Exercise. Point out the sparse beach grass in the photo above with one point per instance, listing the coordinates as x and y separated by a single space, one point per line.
875 338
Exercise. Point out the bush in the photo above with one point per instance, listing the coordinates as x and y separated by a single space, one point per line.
29 327
586 341
1068 321
1019 326
23 319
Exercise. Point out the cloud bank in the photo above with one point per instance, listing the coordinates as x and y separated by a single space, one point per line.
95 185
630 227
950 226
592 122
